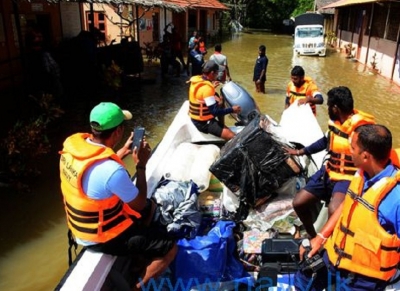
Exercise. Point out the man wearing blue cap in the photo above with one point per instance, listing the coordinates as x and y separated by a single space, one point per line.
105 211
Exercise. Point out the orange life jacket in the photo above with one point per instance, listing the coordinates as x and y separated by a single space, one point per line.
198 109
359 243
395 157
340 165
294 93
89 219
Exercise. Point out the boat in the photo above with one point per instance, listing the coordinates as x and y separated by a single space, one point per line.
95 271
101 272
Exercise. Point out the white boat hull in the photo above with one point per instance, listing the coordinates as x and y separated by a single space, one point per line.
92 270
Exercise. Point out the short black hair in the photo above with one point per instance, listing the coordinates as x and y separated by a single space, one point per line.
218 47
105 134
210 66
375 139
262 48
297 71
341 97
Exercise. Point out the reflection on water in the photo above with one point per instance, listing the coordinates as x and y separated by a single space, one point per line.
33 230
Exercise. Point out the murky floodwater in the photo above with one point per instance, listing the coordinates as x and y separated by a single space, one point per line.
33 240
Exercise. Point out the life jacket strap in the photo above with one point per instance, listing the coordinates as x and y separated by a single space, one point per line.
104 228
339 156
346 230
360 200
338 170
338 132
95 214
341 253
108 214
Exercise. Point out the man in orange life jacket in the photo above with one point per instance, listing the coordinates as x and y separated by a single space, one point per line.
303 89
362 238
331 181
206 105
105 211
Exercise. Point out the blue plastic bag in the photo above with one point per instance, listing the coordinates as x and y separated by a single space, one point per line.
209 259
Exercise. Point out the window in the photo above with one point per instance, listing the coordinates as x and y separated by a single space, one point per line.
379 21
393 22
358 21
368 19
344 19
99 21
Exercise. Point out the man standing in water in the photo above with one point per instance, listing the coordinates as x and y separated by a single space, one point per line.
260 70
222 61
303 89
105 211
206 107
331 181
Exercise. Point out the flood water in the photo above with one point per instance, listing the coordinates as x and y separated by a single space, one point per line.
33 241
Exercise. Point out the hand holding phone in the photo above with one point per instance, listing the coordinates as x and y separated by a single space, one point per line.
138 135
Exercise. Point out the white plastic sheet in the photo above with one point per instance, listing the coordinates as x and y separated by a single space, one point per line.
298 124
192 162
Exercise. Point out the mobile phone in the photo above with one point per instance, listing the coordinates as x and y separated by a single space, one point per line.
138 135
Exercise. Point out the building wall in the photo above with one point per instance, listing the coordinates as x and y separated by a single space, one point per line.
66 20
45 15
153 32
396 74
380 51
377 50
150 25
385 51
12 36
111 18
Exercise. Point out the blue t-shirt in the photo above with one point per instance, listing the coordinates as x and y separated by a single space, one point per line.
192 42
389 209
261 64
104 178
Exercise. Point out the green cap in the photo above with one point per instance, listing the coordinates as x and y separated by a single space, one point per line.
107 115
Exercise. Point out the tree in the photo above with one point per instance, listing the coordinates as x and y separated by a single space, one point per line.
270 14
267 14
238 9
304 6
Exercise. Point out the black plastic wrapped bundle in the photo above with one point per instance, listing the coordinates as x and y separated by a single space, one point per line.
255 162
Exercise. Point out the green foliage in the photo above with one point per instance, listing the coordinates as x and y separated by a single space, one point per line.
267 14
349 48
303 6
28 139
270 14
